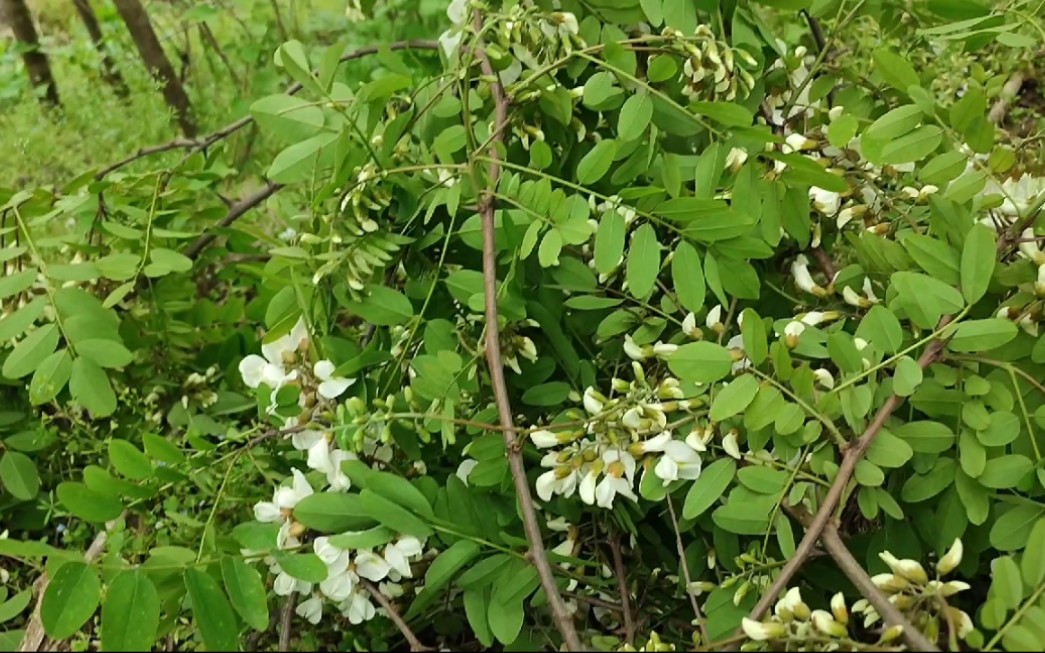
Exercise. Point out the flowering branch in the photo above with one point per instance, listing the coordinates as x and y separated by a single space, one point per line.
845 472
563 620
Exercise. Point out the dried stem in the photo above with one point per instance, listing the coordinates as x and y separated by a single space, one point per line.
625 592
286 621
537 555
704 636
834 495
397 619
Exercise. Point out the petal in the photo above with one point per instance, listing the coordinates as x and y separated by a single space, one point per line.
338 587
319 456
397 561
333 388
605 492
326 551
284 584
311 610
409 545
371 566
587 488
305 440
301 485
266 511
545 485
323 370
466 467
252 369
666 469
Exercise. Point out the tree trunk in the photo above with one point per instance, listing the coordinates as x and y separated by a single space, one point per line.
16 14
110 73
138 24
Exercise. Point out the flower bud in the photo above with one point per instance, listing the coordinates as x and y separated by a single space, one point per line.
825 623
761 631
544 439
951 559
910 569
841 615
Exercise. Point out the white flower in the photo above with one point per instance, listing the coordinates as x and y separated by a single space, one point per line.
358 608
457 12
797 143
567 23
656 443
803 279
825 623
465 468
269 367
951 559
846 215
679 461
322 459
825 201
544 438
371 566
586 489
699 437
285 584
634 351
593 402
909 569
664 349
341 581
397 554
730 444
283 500
792 606
311 610
762 631
854 298
824 378
713 320
560 480
609 487
689 326
330 386
792 332
326 551
1019 194
736 158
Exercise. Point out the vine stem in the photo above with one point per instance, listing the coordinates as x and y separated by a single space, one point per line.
697 615
845 472
513 448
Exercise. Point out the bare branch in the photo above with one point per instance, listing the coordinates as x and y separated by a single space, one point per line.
492 347
704 636
397 619
286 621
236 211
625 592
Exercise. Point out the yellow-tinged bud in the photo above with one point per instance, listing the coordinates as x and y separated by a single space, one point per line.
910 569
838 608
825 623
951 559
891 633
762 631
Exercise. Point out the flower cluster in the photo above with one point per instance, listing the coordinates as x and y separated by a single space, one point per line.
710 71
623 432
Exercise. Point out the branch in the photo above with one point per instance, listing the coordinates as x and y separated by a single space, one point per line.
198 144
625 593
893 617
393 614
704 636
236 211
563 620
286 620
1008 92
35 639
845 473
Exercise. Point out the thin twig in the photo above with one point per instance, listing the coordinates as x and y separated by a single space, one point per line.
827 266
236 211
397 619
286 621
704 636
834 495
35 639
198 144
625 591
563 620
852 569
1008 92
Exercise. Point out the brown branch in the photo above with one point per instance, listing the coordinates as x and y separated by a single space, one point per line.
827 266
537 555
236 211
393 614
625 592
832 541
704 636
35 639
1009 91
834 495
286 621
198 144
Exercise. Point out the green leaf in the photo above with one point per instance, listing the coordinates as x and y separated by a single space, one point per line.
763 480
130 613
906 377
1007 585
609 242
246 592
753 331
302 566
90 387
214 617
70 599
635 116
881 328
597 162
709 487
600 91
701 362
161 449
17 322
12 284
332 512
914 146
841 131
744 516
1005 471
982 335
688 277
87 504
506 620
725 113
927 437
643 261
129 460
1033 563
894 69
383 306
441 572
734 398
368 539
1012 530
401 491
299 161
475 607
106 353
18 474
389 514
934 256
31 352
979 256
288 117
551 246
546 394
50 377
14 607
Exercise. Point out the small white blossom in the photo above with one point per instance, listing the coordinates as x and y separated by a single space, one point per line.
951 559
330 386
311 610
713 320
825 201
803 279
762 631
679 461
544 439
322 459
689 326
397 554
730 445
824 378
